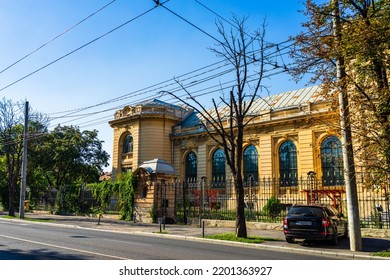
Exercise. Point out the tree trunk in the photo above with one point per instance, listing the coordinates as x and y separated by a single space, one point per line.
11 196
11 182
241 230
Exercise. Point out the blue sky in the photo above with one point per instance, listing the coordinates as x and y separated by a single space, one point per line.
148 51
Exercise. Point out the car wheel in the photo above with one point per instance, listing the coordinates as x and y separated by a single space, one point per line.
290 240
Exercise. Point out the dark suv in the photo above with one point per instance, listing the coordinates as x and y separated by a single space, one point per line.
314 222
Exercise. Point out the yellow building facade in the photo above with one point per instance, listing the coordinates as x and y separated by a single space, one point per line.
300 117
142 133
292 153
291 136
161 130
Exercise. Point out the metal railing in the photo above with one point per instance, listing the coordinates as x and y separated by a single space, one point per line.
268 200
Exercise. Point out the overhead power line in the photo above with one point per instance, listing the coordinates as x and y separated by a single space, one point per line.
115 99
190 23
222 18
190 76
56 37
152 92
192 79
79 48
147 90
207 90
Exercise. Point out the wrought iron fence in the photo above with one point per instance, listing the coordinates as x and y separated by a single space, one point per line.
269 199
67 200
266 200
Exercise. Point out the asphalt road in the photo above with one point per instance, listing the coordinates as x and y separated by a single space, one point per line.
33 241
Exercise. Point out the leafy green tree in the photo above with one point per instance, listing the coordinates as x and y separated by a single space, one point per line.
68 156
65 159
10 132
11 146
363 44
3 182
346 46
58 160
36 182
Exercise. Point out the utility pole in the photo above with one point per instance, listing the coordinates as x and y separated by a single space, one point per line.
355 237
24 164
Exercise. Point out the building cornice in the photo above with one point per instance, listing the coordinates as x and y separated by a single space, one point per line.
144 115
262 122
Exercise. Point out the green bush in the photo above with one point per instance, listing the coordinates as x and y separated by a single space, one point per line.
153 214
69 201
273 207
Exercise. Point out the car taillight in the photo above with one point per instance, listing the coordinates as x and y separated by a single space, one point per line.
285 223
325 222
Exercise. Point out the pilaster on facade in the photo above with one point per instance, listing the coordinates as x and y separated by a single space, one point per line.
266 152
202 160
306 153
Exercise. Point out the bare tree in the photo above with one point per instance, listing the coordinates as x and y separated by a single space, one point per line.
226 120
10 132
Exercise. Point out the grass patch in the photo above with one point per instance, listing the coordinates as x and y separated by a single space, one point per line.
385 254
232 237
27 219
8 217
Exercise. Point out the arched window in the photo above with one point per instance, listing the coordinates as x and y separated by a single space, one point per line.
288 169
191 167
332 162
128 144
218 168
251 164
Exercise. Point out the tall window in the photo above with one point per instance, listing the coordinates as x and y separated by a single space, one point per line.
288 169
191 167
332 162
128 144
218 169
251 164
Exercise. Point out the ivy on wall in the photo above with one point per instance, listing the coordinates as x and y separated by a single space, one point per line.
122 188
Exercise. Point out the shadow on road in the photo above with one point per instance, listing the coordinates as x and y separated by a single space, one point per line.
369 244
37 254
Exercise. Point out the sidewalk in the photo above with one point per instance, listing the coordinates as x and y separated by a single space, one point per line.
370 244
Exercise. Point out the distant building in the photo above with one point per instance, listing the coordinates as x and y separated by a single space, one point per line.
106 176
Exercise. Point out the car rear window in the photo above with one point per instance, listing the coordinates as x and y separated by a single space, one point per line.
306 211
